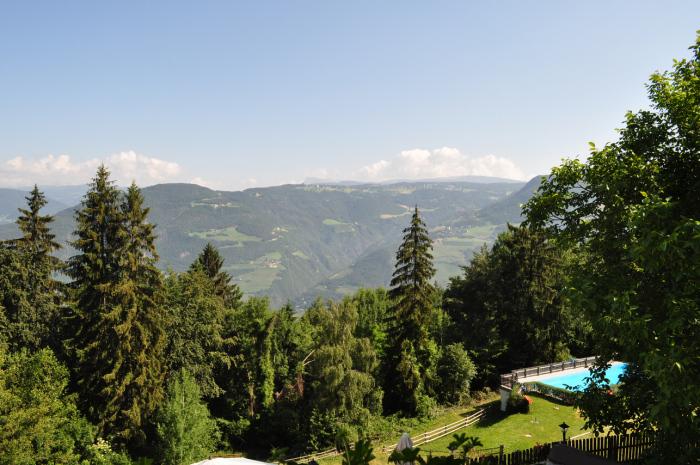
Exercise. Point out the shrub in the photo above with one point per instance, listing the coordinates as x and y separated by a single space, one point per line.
517 404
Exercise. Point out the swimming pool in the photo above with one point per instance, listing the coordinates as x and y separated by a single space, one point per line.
576 379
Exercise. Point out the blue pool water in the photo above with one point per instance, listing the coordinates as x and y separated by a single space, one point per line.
576 379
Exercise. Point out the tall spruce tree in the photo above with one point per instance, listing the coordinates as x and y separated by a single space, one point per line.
409 318
211 262
118 320
28 290
136 379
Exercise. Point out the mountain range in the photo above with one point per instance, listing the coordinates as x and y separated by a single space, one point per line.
298 241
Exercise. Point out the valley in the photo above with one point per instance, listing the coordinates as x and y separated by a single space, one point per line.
298 241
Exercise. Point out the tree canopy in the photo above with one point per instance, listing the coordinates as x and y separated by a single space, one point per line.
508 307
117 326
634 207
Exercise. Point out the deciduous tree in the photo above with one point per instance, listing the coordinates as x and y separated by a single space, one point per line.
634 206
36 415
186 431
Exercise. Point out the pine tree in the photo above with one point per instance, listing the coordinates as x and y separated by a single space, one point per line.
118 317
136 379
409 318
37 240
95 271
411 285
211 262
28 290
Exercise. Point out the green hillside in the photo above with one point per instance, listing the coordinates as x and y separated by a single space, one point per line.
298 241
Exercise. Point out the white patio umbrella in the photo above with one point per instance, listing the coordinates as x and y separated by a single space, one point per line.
405 443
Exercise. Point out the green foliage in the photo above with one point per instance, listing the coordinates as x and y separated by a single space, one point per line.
633 205
117 336
198 340
455 370
37 419
361 454
30 313
28 290
321 430
410 316
465 443
185 431
37 240
508 306
517 404
211 262
343 382
412 289
102 453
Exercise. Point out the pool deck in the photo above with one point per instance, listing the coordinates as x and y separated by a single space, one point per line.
557 374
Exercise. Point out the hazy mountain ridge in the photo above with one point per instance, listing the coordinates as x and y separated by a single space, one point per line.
12 199
296 241
469 178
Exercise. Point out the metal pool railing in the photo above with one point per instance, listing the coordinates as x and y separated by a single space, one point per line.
509 379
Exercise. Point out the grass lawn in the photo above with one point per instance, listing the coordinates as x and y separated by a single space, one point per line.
498 428
512 430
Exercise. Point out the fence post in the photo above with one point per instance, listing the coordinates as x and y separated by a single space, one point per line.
500 454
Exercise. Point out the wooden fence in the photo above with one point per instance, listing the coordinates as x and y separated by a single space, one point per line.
418 439
430 436
509 379
619 448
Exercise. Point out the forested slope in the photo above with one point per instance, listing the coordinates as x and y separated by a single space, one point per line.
298 241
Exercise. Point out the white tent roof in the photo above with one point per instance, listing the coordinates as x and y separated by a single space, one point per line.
231 461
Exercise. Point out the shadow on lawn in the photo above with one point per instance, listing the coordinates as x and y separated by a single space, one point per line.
496 404
553 400
496 416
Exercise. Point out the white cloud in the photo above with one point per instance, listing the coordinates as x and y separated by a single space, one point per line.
61 171
204 183
130 166
444 162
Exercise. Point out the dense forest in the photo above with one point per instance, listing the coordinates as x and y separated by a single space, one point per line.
125 361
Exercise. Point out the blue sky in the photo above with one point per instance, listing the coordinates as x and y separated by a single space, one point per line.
240 94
